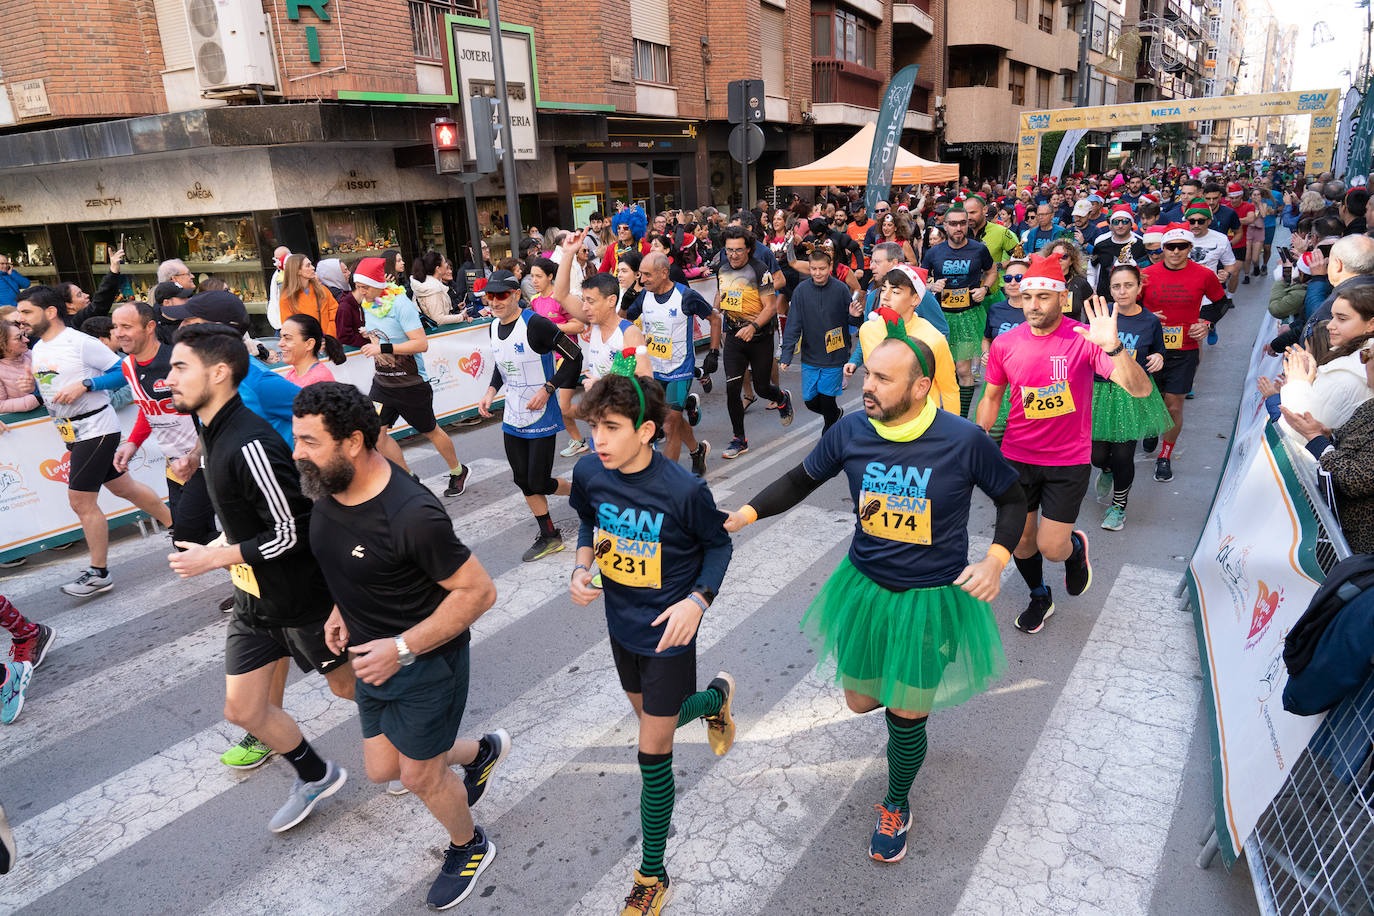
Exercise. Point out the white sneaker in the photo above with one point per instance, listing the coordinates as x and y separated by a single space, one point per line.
89 583
575 447
396 787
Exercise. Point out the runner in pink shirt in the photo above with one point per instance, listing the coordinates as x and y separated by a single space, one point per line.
1049 363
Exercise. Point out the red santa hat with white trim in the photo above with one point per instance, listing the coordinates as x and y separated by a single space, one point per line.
1044 273
918 277
1178 232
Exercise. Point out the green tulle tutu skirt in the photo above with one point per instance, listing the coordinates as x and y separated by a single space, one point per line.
966 332
1118 417
917 650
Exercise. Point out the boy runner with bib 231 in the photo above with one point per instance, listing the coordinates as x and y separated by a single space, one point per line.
1048 363
655 536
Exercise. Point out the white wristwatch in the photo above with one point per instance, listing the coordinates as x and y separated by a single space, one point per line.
403 653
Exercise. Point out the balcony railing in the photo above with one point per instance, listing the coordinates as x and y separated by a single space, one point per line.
846 83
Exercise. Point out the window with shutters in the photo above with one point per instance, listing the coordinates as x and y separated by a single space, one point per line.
651 62
176 38
1023 10
1047 16
1017 83
427 36
774 28
1042 89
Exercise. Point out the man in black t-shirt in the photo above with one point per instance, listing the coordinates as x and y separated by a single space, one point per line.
406 594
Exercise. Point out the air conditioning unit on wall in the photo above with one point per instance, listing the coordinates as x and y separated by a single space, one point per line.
231 44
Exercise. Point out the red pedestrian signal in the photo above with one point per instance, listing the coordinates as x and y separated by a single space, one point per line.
445 134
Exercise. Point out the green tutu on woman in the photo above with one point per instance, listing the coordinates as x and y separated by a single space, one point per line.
905 619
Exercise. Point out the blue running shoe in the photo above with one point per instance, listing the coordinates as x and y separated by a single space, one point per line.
1212 334
491 750
306 795
17 676
458 875
889 838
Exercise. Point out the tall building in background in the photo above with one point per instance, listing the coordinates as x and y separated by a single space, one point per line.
1223 59
1000 65
1269 51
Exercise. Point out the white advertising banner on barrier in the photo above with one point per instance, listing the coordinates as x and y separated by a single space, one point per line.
1251 577
33 460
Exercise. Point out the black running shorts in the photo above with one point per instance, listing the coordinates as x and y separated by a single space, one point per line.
412 403
1055 491
93 463
1176 376
663 680
419 708
248 648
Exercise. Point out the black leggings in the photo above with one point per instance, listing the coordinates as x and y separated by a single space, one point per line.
1119 459
757 356
531 464
824 404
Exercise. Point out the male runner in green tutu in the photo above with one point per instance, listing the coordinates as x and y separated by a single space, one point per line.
905 616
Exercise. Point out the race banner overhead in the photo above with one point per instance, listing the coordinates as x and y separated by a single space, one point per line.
1322 105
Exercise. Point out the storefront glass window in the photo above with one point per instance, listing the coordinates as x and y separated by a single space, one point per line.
588 183
667 185
141 256
723 181
30 252
432 237
357 231
225 247
491 221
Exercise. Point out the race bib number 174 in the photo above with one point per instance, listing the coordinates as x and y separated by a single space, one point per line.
895 518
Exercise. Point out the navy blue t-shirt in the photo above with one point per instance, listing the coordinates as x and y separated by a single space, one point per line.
657 536
1226 221
960 268
911 498
1142 334
1002 317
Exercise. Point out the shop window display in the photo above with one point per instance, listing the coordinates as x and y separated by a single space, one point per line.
30 251
141 256
353 232
225 247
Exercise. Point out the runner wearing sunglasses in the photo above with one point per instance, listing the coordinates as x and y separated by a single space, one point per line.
1175 290
1004 316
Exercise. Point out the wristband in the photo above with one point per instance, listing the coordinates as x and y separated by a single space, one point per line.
1119 347
387 348
581 566
697 600
750 514
1000 553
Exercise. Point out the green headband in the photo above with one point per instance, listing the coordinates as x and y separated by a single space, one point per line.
624 364
896 330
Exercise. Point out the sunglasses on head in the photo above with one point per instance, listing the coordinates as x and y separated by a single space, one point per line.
1177 246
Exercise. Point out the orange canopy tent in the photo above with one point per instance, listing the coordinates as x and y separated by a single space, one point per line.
848 165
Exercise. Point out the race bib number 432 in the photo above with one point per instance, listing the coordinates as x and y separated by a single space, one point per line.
632 563
1045 403
895 518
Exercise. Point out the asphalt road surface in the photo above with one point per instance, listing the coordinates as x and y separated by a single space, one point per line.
1079 784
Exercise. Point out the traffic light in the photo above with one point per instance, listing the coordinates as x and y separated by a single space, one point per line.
486 135
448 146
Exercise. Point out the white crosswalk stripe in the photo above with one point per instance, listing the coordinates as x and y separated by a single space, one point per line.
116 814
551 724
1085 827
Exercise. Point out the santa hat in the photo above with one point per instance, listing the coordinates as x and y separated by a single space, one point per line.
1234 189
1198 206
1154 235
1122 210
918 277
370 272
1178 232
1044 273
1151 198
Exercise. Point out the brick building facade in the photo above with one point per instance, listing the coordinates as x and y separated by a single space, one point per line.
311 126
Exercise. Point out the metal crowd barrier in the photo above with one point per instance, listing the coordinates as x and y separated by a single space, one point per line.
1312 851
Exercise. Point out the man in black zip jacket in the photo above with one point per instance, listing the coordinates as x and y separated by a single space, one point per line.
281 599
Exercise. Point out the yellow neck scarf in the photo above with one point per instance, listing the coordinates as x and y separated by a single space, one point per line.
911 429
